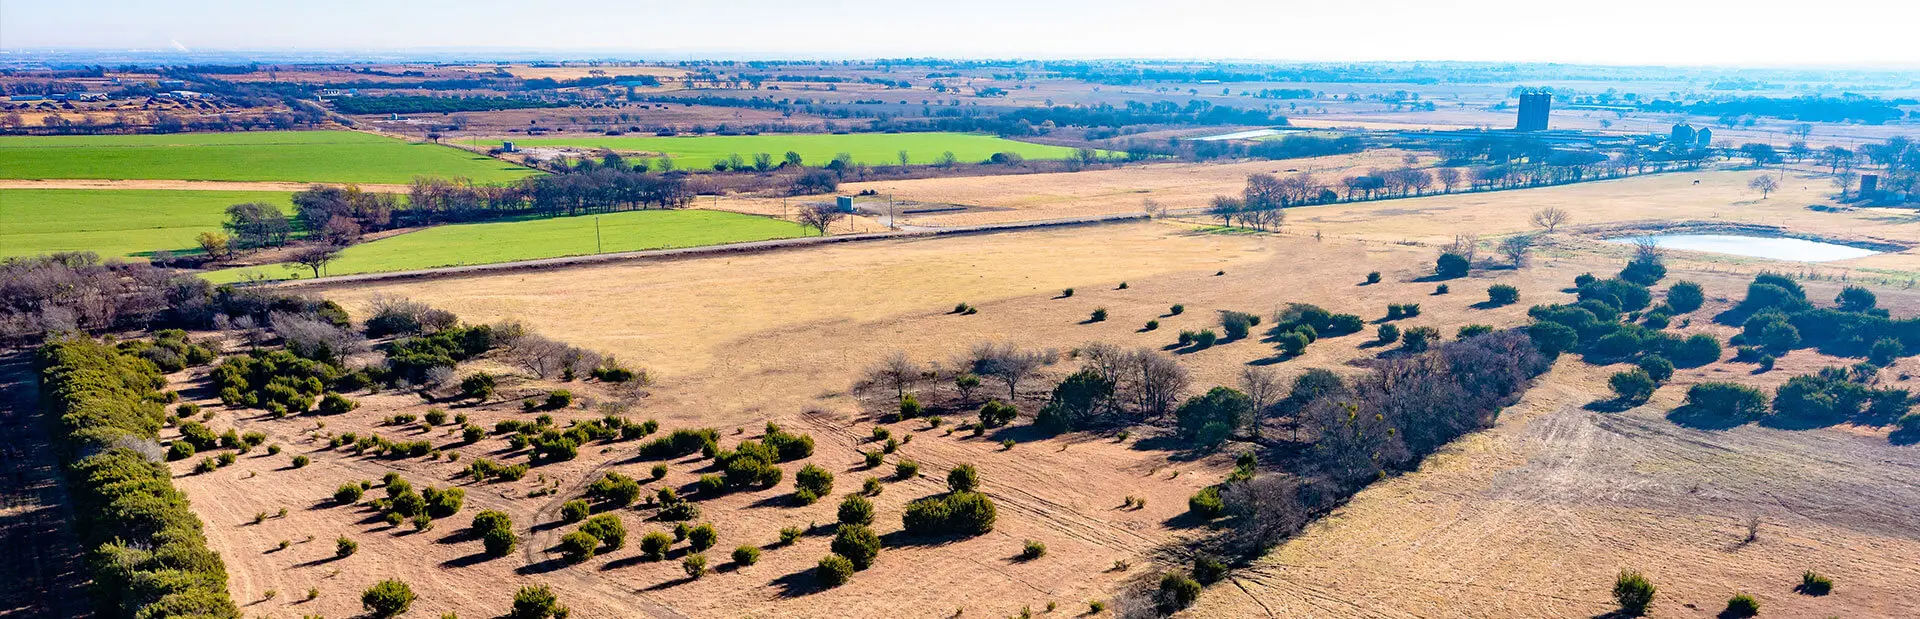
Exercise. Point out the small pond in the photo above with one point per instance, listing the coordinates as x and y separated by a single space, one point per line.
1241 135
1775 248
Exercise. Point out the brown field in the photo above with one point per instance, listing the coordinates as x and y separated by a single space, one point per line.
1528 519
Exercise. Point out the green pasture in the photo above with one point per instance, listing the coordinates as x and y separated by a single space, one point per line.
115 223
530 239
815 149
297 156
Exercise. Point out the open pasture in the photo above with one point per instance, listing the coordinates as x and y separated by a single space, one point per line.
115 223
303 156
528 239
815 149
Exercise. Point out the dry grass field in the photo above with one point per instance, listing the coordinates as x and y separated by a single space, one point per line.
1528 519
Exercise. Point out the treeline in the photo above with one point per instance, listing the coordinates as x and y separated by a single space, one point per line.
146 550
586 187
1871 111
421 104
1288 147
1006 121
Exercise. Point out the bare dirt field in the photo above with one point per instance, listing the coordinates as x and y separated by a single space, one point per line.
735 341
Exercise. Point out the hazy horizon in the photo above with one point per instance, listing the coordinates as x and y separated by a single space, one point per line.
1730 33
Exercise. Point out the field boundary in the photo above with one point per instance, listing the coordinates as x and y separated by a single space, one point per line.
696 252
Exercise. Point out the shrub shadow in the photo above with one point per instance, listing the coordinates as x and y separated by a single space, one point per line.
1699 419
798 584
466 561
543 567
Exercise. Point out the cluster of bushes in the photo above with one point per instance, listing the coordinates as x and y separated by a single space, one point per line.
1593 326
1729 403
412 358
379 445
1837 395
1397 311
1636 385
482 469
278 381
614 490
170 350
602 531
1207 503
1502 294
751 463
962 511
679 443
1238 324
1778 317
1202 339
145 549
495 530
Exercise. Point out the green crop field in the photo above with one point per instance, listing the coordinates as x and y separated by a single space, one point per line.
529 239
699 152
115 223
299 156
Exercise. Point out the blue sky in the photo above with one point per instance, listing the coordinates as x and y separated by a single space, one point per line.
1673 32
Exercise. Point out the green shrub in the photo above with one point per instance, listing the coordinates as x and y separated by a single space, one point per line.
1729 402
1418 339
858 543
498 542
615 489
1684 296
443 503
870 487
814 480
1502 294
955 513
654 545
1099 315
1207 503
1208 569
906 469
1657 367
536 602
1632 385
856 509
344 547
1032 549
1741 606
1177 591
179 450
702 537
788 535
559 398
389 598
1152 325
1205 338
578 546
834 570
336 404
695 565
1633 592
678 443
575 511
659 471
1812 583
608 529
872 458
995 414
1373 277
746 555
1387 334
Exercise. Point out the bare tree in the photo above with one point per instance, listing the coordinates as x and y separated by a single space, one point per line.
1844 180
1007 363
1263 389
1516 248
896 372
1153 208
1763 184
316 258
820 217
1158 382
1550 218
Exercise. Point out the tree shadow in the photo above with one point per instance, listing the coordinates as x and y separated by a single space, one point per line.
1177 449
1701 419
1487 305
467 561
777 500
464 534
546 526
626 562
320 561
1186 520
1795 422
798 584
1611 405
1618 614
670 584
542 567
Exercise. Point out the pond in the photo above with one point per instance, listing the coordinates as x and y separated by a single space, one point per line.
1241 135
1775 248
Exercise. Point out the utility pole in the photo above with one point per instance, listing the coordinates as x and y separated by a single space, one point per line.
596 235
891 223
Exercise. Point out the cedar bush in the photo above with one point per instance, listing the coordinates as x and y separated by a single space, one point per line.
654 545
578 546
702 537
814 480
1633 592
834 570
858 543
575 511
536 602
389 598
608 529
963 478
856 509
695 565
746 555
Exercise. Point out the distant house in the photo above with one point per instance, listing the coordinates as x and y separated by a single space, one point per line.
26 98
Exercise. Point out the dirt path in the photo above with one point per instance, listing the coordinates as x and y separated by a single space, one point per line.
176 185
42 570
